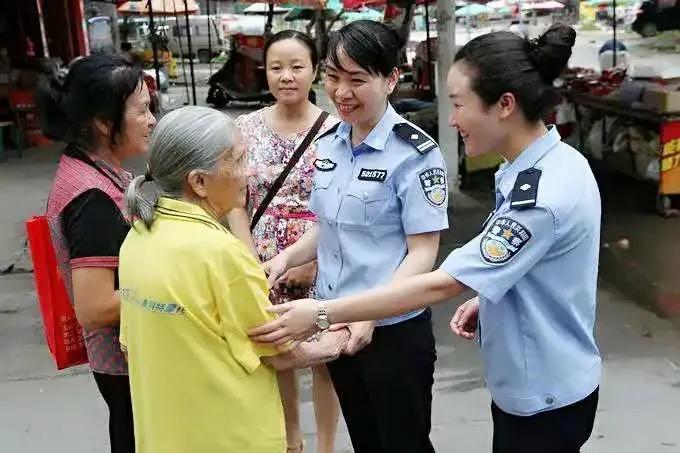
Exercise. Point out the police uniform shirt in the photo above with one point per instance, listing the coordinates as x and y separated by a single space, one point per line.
369 199
535 268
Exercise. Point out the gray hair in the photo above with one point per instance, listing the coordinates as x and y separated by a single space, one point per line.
186 139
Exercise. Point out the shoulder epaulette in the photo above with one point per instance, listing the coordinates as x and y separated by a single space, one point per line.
422 142
526 189
330 131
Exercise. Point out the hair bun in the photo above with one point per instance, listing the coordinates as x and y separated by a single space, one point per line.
551 51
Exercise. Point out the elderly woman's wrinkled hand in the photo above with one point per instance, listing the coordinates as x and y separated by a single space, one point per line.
296 321
322 349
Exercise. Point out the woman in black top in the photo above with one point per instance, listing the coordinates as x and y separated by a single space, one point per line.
101 110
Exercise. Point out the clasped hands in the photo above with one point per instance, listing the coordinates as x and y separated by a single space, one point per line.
297 319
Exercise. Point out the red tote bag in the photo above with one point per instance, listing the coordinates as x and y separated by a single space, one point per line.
63 333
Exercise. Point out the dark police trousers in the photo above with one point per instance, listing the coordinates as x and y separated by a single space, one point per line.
562 430
385 390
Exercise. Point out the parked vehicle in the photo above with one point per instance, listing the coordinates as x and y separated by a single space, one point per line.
242 78
201 27
654 16
136 32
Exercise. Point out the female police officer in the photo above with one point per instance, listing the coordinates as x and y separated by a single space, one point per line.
534 265
380 196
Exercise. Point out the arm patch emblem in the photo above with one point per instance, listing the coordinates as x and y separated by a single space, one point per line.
503 239
434 187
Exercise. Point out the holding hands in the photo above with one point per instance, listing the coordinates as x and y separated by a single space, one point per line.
297 280
326 348
296 321
275 268
360 336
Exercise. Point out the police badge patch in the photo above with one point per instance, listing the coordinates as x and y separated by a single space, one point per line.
503 239
325 164
433 184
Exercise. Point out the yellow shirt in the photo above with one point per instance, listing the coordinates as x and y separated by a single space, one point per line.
190 292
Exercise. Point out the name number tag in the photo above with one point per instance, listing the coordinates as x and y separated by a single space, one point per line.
369 174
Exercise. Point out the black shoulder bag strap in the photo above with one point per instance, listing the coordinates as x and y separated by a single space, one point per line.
289 166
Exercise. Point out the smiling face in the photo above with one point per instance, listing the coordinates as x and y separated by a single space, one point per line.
290 71
481 127
358 95
138 122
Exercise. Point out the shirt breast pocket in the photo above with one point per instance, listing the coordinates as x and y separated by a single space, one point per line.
365 204
320 195
322 179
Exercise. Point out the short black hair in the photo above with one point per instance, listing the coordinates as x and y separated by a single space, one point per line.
297 35
96 87
374 46
502 62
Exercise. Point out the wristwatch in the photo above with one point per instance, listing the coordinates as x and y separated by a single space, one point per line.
322 322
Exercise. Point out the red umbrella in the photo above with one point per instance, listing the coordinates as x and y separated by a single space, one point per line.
160 7
316 4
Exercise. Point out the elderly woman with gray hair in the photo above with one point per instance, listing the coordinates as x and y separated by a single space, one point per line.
190 292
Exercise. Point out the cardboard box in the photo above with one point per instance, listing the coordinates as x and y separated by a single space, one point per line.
661 100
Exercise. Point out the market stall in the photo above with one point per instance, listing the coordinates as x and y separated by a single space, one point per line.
159 55
36 37
629 125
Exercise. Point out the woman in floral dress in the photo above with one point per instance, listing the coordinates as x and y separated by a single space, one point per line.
272 135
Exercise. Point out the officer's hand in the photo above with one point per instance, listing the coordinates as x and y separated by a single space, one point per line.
464 322
360 336
296 321
298 279
275 268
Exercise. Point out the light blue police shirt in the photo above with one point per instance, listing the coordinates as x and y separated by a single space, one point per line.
368 200
535 270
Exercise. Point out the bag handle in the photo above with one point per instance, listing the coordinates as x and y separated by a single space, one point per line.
289 166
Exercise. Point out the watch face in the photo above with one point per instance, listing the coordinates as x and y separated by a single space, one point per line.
323 323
